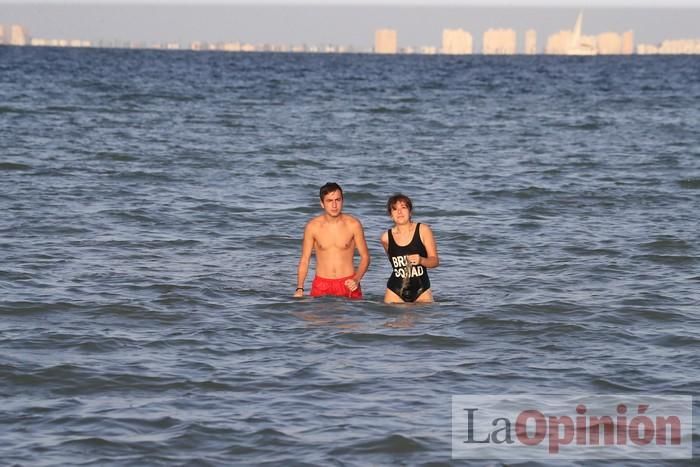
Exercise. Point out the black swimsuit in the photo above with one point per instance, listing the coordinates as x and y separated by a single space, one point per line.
407 281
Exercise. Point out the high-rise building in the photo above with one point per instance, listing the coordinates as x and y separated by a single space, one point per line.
499 42
456 42
647 49
2 34
231 47
18 35
609 43
385 41
530 42
580 44
558 43
680 46
628 43
588 45
572 42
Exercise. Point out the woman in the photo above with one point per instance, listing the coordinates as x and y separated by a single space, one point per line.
412 251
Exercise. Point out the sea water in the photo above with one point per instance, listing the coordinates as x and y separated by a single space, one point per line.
153 205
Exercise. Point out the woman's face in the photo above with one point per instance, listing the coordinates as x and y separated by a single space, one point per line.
400 213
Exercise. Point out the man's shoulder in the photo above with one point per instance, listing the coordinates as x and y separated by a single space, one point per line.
351 220
348 220
315 222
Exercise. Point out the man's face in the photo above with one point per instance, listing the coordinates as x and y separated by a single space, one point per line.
332 203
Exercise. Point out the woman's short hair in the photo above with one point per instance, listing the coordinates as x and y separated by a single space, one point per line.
399 198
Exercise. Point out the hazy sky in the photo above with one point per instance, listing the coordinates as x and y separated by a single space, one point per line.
343 22
514 3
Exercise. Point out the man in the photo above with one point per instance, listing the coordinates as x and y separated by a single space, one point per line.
333 236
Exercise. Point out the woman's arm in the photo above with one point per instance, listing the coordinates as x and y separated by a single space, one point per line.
426 236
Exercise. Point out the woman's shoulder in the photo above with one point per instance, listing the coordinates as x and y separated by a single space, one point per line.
422 226
424 229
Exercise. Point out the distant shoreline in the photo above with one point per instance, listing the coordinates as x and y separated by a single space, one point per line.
327 52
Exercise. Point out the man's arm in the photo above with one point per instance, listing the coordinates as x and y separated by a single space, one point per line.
361 245
307 245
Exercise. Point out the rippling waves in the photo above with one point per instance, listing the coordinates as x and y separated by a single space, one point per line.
153 208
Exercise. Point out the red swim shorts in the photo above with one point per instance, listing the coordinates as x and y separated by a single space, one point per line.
335 287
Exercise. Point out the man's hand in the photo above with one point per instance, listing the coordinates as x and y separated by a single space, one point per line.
351 285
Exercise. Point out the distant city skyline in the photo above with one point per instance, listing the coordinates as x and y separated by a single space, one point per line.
353 26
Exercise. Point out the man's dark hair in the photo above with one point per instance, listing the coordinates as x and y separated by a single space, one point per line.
399 198
329 187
